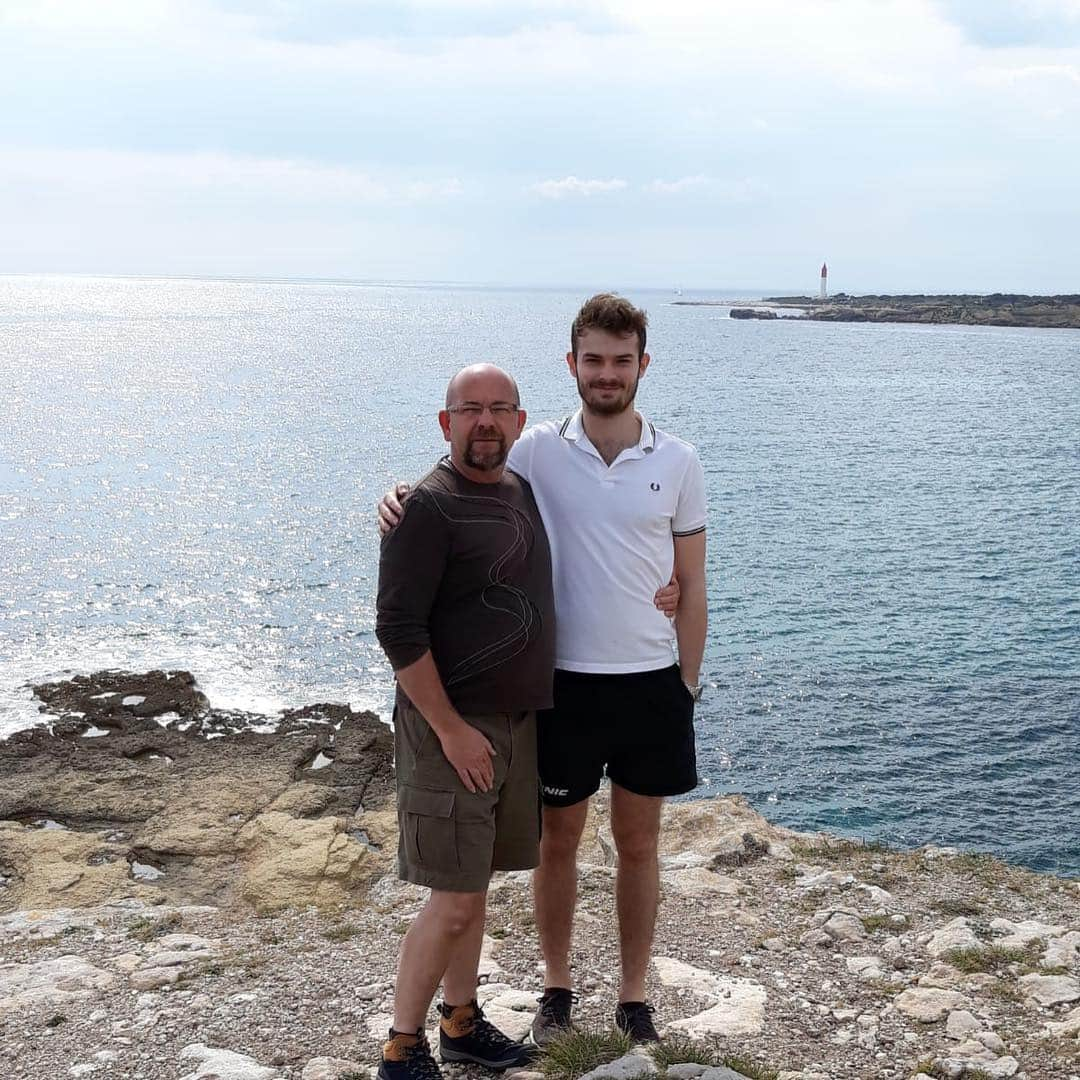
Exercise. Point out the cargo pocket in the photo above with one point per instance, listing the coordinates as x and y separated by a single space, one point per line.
429 828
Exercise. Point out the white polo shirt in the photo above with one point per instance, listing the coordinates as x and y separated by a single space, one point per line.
610 530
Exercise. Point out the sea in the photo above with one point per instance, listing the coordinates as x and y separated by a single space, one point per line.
189 471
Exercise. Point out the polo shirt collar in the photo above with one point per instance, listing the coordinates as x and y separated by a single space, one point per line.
573 428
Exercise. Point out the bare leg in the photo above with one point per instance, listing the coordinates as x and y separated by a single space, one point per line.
555 888
635 824
428 950
459 982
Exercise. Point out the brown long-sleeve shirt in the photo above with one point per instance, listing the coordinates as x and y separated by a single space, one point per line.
467 574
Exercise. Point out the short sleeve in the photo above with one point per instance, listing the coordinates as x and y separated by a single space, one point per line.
690 510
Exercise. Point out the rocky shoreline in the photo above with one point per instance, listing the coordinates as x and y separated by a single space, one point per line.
189 892
995 309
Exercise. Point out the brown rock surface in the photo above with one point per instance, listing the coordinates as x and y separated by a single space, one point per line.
183 802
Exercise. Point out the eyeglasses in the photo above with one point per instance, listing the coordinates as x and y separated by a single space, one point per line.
473 409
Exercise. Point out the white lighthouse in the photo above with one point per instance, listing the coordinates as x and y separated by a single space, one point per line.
824 292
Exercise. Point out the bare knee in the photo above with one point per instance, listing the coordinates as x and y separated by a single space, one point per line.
636 846
456 913
561 833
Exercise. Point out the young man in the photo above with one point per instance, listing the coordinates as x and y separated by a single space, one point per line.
465 615
624 506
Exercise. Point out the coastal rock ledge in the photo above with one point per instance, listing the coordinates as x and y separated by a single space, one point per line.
192 892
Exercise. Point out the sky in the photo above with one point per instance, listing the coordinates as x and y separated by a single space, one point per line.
917 145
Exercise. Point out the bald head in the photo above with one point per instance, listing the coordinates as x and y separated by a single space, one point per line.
482 382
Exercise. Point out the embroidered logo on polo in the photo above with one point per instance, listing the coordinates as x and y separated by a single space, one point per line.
655 486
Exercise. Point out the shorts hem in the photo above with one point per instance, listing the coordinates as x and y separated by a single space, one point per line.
444 882
663 791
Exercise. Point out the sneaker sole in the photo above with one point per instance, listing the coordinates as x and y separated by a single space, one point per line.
456 1056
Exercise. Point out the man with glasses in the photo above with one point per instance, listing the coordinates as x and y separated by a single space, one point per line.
465 614
624 506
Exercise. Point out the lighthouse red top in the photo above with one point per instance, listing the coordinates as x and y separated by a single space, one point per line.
824 270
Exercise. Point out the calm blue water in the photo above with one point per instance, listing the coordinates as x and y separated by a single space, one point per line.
188 472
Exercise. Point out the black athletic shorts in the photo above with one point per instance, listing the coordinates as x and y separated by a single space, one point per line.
638 728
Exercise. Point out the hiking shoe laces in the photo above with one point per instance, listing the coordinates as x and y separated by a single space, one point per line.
553 1015
485 1045
635 1019
419 1064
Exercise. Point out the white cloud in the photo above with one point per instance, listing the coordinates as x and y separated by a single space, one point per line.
214 176
571 186
675 187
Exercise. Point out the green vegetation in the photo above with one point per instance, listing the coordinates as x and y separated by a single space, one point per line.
146 929
341 932
750 1069
578 1052
928 1067
988 958
676 1049
958 905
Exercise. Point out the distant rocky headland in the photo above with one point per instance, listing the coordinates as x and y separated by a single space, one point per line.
194 892
995 309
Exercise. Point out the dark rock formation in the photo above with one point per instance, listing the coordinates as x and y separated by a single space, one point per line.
141 781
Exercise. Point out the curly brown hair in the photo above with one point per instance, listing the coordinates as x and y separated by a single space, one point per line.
613 314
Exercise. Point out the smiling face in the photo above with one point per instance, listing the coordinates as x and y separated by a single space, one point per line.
481 421
607 368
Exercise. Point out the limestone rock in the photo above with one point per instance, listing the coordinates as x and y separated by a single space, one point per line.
1051 989
929 1005
328 1068
1069 1028
954 935
625 1068
841 926
700 882
50 982
216 1064
740 1012
1062 951
961 1024
867 968
1018 935
686 1070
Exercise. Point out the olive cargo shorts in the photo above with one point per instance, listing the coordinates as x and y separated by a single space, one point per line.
448 837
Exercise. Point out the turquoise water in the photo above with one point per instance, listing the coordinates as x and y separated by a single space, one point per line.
188 472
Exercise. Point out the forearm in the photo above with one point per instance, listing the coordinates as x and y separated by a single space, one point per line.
421 682
691 623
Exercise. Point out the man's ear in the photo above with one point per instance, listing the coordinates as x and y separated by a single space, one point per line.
444 423
571 363
522 416
643 363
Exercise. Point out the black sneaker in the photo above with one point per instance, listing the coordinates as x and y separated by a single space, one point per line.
635 1019
418 1063
484 1045
553 1017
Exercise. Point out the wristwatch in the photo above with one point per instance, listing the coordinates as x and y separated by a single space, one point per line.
695 690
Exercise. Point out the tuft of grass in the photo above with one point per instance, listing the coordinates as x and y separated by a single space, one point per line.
56 1021
678 1049
341 932
146 929
833 850
989 958
578 1052
958 905
876 922
750 1069
929 1067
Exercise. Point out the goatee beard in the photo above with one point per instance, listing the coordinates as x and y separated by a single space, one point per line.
488 461
608 408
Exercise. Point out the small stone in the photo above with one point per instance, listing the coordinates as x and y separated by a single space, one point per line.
628 1067
328 1068
844 927
929 1005
961 1024
954 935
1050 990
687 1070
